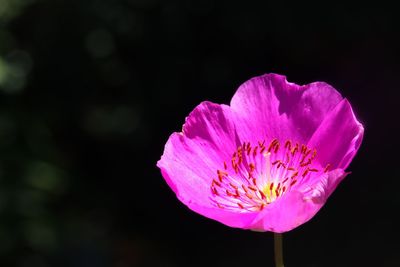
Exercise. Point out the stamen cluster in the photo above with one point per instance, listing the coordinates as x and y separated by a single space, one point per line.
260 174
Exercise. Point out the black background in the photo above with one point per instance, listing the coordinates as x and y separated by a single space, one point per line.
91 90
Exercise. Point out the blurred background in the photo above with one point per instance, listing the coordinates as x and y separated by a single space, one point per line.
91 90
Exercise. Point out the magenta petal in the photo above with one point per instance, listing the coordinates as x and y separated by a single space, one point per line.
191 158
338 137
202 206
269 106
298 207
320 189
229 218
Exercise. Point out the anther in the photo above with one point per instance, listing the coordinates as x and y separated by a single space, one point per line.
252 188
216 183
314 154
244 188
271 186
252 167
277 192
295 149
222 173
249 196
255 151
229 193
237 193
276 148
281 164
248 150
214 191
288 144
279 186
248 145
327 168
305 163
272 144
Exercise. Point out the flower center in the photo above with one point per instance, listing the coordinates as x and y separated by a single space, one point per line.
258 175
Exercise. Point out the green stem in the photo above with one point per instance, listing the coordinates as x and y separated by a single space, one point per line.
278 250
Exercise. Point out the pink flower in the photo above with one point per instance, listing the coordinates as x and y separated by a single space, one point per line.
269 160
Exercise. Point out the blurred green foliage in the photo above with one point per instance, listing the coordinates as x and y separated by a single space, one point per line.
67 116
33 179
15 64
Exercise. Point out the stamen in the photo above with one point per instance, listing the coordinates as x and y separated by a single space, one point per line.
255 151
216 183
327 168
288 144
295 149
306 172
252 188
277 192
261 174
252 167
276 148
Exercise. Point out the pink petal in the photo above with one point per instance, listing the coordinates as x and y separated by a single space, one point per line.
191 159
269 106
295 207
229 218
203 207
320 189
338 137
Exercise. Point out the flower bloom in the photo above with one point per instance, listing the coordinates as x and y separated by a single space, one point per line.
269 160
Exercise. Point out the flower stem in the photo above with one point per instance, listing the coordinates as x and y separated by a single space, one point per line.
278 250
